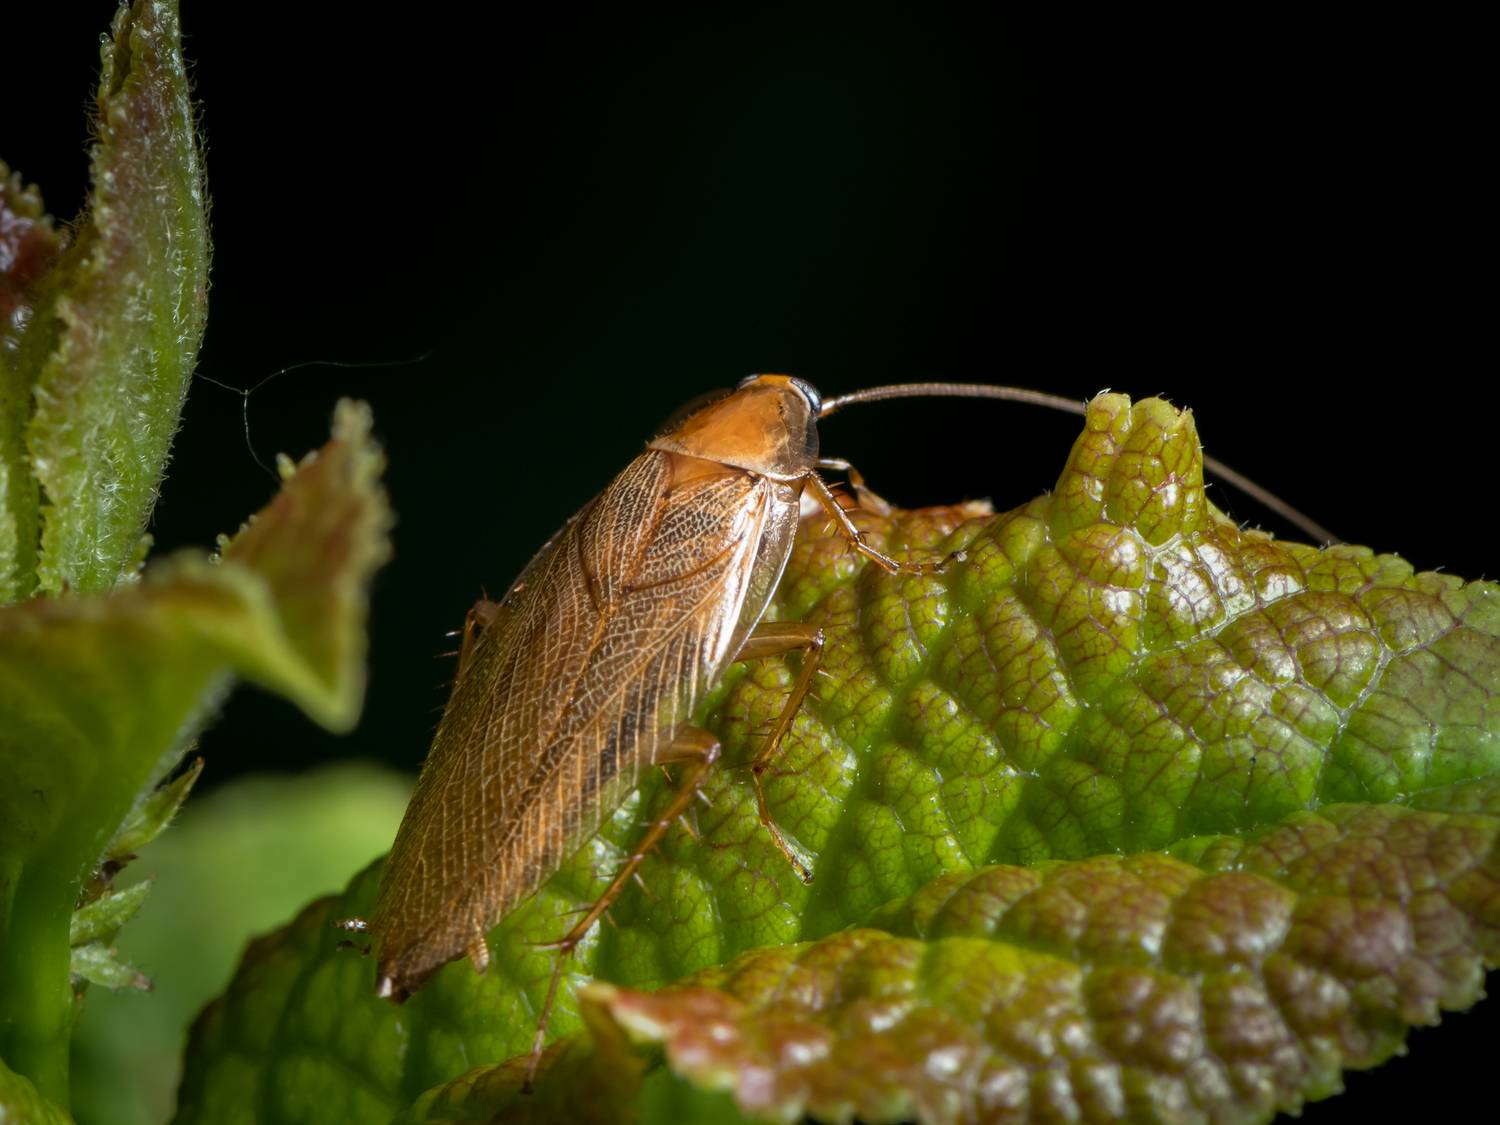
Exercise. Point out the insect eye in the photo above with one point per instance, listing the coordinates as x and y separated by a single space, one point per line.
811 393
745 382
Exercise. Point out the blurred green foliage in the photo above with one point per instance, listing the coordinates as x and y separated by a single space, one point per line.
236 862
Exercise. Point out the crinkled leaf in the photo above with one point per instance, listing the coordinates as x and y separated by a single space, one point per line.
28 246
101 694
1115 668
1141 986
108 355
583 1078
151 815
101 919
100 964
97 687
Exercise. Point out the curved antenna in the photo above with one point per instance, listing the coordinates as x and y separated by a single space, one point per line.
953 390
1256 492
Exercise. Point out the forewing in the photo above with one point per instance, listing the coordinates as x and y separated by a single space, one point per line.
613 634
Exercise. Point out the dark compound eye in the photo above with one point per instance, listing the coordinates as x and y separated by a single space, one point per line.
811 393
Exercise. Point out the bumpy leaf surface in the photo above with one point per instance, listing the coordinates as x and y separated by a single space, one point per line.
1141 986
1169 733
102 369
100 695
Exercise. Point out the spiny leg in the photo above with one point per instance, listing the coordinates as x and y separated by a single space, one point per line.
698 750
856 538
868 498
774 639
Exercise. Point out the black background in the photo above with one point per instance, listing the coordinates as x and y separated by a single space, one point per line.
582 218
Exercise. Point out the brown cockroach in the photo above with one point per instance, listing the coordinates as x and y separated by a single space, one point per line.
587 672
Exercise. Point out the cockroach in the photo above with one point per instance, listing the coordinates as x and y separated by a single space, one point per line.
587 672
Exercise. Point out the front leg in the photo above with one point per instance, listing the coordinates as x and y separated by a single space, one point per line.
864 495
856 538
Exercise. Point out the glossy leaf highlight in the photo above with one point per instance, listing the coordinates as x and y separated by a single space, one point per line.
1141 987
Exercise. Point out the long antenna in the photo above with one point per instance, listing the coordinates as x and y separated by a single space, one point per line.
953 390
1261 495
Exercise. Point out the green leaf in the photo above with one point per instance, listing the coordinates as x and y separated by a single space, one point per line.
28 247
101 919
100 964
151 815
103 367
91 932
1115 669
584 1078
597 1079
1141 986
101 695
20 1102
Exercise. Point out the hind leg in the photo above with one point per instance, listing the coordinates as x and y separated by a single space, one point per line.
773 639
699 750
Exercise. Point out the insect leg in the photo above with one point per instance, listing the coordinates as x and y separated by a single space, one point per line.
856 537
698 750
868 498
773 639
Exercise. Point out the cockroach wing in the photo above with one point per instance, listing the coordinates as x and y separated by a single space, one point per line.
611 637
